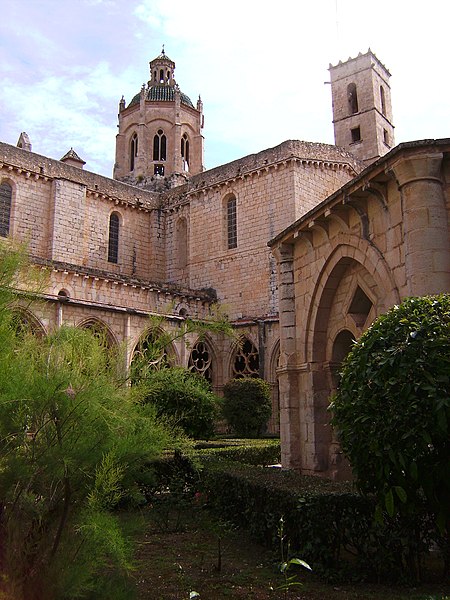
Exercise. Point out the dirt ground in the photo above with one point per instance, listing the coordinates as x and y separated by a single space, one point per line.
186 550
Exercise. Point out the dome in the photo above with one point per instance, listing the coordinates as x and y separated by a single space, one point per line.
164 93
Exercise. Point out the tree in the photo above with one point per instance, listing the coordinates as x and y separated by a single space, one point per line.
184 398
392 409
71 439
247 405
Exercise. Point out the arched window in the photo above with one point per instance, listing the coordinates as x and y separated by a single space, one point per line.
352 97
5 208
159 146
246 362
200 361
113 239
133 151
383 100
161 76
231 223
185 152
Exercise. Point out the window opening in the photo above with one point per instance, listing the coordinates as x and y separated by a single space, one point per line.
383 100
200 361
5 208
185 152
356 134
133 151
161 76
149 355
113 240
360 307
246 362
352 98
159 170
231 223
159 146
386 137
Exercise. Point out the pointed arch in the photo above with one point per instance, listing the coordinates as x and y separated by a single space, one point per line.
25 322
244 359
101 330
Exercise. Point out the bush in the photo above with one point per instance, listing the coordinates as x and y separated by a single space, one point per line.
392 410
327 523
249 452
247 406
185 398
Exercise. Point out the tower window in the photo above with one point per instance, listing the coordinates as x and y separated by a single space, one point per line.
352 97
5 208
161 76
113 239
383 100
386 137
160 146
231 223
185 152
133 151
356 134
159 170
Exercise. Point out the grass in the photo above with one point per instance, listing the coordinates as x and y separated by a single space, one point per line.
185 548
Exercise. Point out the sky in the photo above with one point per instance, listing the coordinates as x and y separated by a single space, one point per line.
260 67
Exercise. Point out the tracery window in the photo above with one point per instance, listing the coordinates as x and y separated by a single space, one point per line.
200 361
231 223
185 152
160 146
5 208
246 362
113 238
149 355
133 151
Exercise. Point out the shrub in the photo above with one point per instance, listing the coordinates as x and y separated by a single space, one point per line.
250 452
247 406
185 398
392 410
329 524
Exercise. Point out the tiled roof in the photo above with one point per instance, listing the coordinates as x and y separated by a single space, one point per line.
164 93
73 155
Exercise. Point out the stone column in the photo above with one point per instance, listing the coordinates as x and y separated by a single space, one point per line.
287 373
425 222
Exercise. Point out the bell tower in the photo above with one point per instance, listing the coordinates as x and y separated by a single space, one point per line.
362 109
160 131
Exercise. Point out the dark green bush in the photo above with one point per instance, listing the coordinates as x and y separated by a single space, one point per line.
392 410
327 523
250 452
185 398
247 406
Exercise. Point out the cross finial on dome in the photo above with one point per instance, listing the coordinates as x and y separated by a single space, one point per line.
163 52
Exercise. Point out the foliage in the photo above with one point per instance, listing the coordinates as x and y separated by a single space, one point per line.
325 521
247 406
71 442
392 410
287 563
250 452
184 398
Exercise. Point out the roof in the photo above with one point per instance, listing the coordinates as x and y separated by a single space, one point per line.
73 155
161 93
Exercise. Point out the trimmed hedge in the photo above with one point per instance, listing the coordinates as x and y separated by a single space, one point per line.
327 523
250 452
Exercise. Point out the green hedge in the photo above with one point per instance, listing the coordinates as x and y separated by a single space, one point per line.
327 523
250 452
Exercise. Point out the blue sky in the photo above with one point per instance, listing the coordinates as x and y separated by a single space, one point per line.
259 66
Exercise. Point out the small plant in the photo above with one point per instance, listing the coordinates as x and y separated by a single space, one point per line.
286 562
